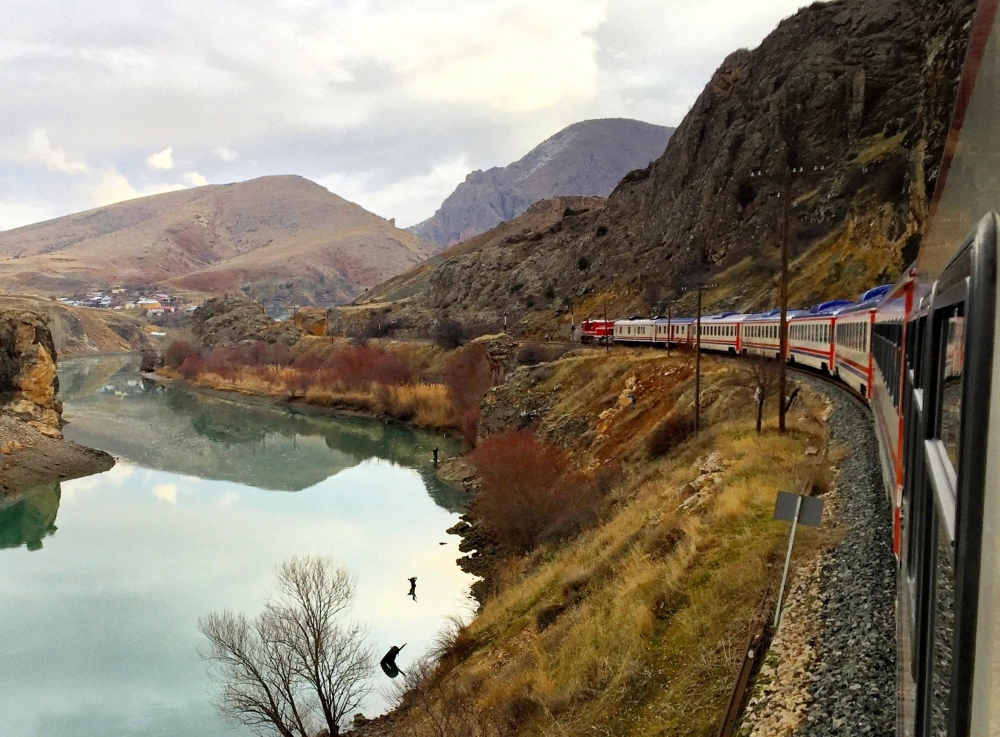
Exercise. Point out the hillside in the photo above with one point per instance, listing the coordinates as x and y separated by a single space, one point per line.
285 239
857 94
81 330
585 159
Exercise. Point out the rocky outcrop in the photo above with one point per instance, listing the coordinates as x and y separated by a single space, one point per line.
585 159
28 383
855 96
228 321
312 320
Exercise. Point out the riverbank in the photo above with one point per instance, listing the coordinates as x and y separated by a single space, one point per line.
29 458
633 626
633 620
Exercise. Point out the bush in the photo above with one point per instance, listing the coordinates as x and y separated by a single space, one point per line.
449 333
356 367
468 375
532 354
192 366
550 292
670 433
602 230
583 263
529 490
177 352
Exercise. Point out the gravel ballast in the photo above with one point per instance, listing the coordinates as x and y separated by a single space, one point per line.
854 681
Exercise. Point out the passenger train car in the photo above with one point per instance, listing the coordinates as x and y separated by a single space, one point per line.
926 354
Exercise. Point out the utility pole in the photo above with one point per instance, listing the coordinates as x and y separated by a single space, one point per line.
670 308
783 370
697 370
607 338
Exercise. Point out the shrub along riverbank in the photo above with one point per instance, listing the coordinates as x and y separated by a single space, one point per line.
421 385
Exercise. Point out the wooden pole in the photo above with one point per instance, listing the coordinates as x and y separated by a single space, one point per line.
783 344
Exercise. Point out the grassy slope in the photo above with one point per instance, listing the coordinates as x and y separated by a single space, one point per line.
657 601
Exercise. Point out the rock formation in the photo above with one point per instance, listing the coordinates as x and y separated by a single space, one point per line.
585 159
228 321
28 382
854 95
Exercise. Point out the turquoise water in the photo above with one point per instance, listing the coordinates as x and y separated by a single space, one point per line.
103 579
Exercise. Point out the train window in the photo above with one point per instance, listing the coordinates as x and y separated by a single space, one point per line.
951 386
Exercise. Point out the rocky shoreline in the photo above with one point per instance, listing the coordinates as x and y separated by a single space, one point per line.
33 451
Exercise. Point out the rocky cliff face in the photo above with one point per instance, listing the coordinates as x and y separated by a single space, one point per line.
854 96
28 383
585 159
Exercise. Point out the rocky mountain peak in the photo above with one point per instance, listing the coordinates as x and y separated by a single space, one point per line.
585 159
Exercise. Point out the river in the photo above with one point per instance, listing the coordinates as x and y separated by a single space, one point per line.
103 579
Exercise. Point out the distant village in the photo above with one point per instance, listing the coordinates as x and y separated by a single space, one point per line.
131 299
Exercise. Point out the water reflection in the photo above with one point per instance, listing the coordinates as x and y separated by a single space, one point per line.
25 519
98 628
109 406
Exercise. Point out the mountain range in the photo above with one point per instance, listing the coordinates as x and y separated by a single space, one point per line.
283 240
586 159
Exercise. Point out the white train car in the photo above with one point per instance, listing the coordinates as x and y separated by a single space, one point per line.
853 362
675 331
635 330
721 333
761 333
810 336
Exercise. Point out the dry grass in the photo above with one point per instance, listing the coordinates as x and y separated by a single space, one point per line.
635 627
426 406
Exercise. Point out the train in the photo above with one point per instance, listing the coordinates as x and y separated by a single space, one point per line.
924 352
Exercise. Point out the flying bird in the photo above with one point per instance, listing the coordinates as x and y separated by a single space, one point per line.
413 588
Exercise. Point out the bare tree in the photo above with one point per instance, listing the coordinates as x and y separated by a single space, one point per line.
299 665
761 376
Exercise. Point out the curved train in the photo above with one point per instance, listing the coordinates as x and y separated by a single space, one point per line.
925 352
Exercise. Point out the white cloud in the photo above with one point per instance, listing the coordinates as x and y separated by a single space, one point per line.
113 186
408 200
166 492
16 214
194 179
40 148
163 160
400 89
226 154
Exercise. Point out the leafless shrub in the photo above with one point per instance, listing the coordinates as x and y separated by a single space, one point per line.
298 666
449 333
529 491
468 376
669 434
761 377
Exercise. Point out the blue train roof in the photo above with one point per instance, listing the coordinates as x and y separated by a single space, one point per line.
829 307
774 315
874 294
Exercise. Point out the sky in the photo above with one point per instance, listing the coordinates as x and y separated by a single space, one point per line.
389 103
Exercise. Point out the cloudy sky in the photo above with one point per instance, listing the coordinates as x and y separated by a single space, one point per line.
389 103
